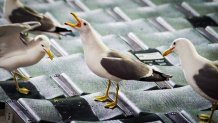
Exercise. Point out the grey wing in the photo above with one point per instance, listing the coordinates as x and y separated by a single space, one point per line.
127 69
207 80
24 14
9 38
12 28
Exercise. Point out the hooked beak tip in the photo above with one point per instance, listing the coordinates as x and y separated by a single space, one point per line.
50 54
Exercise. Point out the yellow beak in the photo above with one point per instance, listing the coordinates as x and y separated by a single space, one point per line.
49 53
168 51
78 24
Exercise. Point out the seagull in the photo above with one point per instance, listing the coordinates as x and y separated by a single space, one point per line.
15 12
110 64
17 49
200 73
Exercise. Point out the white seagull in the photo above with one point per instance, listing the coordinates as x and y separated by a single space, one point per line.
111 64
15 12
19 50
200 73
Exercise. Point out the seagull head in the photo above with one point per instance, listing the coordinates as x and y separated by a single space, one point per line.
81 25
44 45
181 46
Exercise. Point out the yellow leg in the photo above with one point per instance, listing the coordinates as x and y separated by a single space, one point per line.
22 77
213 108
204 118
113 104
20 90
105 97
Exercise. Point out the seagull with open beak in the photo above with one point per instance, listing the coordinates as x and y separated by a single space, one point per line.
17 49
111 64
200 73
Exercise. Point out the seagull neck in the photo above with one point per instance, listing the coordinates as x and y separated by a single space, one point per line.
92 41
38 55
189 57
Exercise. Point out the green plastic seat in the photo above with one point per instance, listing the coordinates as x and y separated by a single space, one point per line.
166 10
214 16
178 23
122 28
170 100
55 9
205 8
95 4
31 2
159 2
166 38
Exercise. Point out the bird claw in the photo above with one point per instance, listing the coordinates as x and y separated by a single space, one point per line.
23 90
111 105
203 118
101 98
24 78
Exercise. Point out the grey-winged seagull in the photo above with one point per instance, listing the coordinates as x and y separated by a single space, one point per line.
15 12
19 50
111 64
200 73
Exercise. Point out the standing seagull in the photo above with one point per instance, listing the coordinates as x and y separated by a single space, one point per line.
111 64
15 12
19 50
200 73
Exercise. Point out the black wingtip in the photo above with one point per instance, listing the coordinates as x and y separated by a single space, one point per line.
157 76
60 29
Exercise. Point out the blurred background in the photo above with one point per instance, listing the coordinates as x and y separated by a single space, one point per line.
63 90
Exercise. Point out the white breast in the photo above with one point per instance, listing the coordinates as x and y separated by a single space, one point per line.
192 68
94 51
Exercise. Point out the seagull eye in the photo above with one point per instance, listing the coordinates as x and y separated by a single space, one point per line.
174 43
43 45
24 34
84 24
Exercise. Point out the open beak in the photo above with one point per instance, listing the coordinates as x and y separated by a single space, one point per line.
168 51
77 24
49 53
